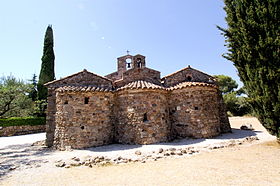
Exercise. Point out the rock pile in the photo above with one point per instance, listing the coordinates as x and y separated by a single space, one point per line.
91 161
143 157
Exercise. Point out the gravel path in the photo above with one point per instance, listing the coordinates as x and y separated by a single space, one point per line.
18 156
21 140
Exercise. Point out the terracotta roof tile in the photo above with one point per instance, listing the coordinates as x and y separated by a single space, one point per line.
140 85
82 89
188 84
132 85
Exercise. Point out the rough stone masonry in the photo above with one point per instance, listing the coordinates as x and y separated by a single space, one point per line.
133 105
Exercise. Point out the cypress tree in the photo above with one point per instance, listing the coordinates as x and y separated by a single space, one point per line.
253 42
47 67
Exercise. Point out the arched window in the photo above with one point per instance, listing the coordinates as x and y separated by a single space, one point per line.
128 63
139 62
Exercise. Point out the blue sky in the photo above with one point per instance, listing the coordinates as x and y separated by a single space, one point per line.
91 34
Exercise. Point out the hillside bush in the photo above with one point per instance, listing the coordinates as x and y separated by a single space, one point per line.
19 121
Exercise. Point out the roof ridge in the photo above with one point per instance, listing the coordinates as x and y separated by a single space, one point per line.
188 67
72 75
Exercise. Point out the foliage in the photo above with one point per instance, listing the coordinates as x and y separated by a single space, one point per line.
236 104
39 108
47 67
18 121
226 83
13 97
253 42
33 92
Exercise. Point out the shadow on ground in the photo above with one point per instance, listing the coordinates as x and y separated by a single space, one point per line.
235 134
19 156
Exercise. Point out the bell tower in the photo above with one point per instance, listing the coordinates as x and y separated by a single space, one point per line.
139 61
125 63
128 62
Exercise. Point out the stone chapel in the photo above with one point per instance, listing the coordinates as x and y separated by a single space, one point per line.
133 105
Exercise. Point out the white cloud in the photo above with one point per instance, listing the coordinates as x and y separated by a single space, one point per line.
93 25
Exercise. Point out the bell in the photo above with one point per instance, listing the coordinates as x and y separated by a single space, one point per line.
128 65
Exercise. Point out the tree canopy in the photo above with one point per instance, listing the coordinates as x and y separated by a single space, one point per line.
14 100
226 83
236 104
253 42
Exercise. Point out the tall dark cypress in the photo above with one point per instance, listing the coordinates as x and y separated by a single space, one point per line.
253 41
47 67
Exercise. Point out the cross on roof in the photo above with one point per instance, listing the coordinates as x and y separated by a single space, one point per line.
127 52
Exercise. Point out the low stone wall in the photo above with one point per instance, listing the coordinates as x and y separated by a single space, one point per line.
21 130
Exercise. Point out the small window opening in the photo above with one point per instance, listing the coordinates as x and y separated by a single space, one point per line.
145 117
139 63
189 78
128 63
86 100
82 127
195 108
66 102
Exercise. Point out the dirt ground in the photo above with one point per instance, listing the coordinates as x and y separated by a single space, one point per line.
249 164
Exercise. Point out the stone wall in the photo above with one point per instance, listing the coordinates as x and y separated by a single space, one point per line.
50 118
138 113
142 116
186 74
194 112
114 76
83 119
83 78
21 130
135 74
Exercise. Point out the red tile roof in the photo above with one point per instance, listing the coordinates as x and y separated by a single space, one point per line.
188 84
82 89
140 85
131 86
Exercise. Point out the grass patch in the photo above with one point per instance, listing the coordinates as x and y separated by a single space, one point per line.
19 121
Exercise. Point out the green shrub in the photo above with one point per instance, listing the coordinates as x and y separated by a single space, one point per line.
18 121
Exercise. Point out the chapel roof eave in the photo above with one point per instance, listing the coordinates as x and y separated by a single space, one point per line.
82 89
147 85
135 85
140 84
192 84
